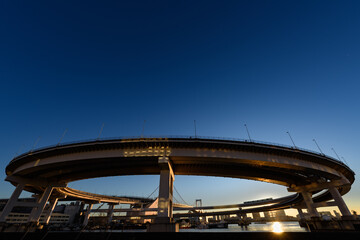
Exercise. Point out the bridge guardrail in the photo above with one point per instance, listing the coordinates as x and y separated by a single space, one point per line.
180 137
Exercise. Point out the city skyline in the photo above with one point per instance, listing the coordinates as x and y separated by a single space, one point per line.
277 67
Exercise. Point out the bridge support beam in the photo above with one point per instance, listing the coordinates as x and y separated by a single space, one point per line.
87 214
165 207
340 203
11 203
310 204
52 206
347 223
37 207
164 220
36 211
301 214
110 213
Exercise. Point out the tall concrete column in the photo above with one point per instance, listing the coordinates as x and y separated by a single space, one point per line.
87 215
11 202
110 213
340 202
37 211
310 204
163 221
52 206
165 204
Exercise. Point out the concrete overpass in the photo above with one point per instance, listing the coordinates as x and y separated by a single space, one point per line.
47 171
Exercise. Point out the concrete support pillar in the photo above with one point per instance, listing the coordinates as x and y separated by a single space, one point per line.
310 204
340 202
87 215
165 205
301 214
164 220
52 206
110 213
36 212
11 202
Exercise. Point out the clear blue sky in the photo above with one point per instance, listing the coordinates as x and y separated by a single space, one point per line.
276 65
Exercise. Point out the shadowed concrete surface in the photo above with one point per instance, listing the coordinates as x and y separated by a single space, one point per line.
207 236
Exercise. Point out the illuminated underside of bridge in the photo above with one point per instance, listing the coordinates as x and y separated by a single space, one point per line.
47 171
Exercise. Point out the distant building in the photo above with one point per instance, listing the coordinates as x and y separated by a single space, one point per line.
280 214
62 214
256 215
56 218
267 215
72 210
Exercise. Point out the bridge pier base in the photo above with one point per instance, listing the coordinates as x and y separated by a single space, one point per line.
164 220
163 227
316 224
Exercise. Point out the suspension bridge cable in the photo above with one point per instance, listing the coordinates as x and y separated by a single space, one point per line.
153 192
180 196
176 199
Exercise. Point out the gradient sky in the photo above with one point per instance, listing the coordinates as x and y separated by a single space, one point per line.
277 66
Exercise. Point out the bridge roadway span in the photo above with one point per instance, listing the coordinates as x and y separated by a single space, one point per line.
47 171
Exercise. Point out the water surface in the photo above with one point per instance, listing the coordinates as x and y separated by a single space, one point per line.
267 227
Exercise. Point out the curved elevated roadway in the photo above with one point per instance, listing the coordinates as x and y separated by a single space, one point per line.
291 167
